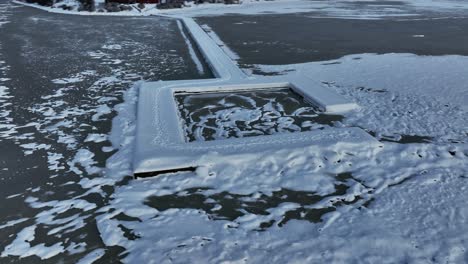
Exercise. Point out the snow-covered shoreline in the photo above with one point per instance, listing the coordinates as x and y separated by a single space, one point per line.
189 10
334 9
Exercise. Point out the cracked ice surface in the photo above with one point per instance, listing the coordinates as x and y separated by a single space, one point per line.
210 116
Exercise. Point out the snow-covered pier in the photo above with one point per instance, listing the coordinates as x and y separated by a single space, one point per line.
161 145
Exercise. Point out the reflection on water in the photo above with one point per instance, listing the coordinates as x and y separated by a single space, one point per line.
214 116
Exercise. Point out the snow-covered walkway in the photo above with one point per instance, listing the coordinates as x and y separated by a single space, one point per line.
160 141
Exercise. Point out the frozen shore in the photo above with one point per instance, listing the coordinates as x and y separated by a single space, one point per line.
369 9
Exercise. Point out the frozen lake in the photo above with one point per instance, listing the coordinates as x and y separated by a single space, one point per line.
66 186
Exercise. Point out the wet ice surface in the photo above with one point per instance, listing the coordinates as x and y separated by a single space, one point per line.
61 81
214 116
300 38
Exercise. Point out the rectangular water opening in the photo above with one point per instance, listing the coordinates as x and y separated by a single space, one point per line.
221 115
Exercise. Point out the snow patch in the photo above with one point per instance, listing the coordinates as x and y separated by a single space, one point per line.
13 222
53 159
92 256
85 158
100 111
22 247
32 147
67 80
96 138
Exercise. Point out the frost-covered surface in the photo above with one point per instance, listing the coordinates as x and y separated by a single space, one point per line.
300 206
